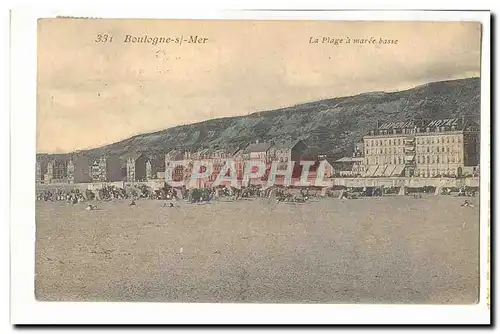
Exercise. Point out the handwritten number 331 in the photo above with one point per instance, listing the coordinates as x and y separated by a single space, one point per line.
103 38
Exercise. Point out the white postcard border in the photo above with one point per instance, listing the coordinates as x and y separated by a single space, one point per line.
26 310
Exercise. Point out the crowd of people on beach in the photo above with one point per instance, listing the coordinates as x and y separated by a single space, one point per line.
204 195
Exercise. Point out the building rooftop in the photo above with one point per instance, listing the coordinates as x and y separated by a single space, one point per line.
310 152
176 154
257 147
424 126
350 159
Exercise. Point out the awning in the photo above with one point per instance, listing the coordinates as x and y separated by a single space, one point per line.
371 170
389 170
380 171
398 170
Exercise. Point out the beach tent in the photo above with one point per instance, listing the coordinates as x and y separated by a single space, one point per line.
398 170
389 170
371 170
380 171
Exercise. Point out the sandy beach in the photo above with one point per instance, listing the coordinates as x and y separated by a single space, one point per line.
371 250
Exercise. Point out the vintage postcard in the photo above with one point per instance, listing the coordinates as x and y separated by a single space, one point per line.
258 161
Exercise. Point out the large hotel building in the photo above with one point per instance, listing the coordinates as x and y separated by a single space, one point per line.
448 147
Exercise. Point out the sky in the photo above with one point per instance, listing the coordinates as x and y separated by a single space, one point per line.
90 93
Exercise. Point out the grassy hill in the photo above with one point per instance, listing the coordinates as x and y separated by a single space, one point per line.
332 124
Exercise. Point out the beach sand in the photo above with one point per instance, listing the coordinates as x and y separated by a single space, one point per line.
372 250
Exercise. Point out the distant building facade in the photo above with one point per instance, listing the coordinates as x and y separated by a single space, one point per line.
81 169
155 167
98 169
136 168
288 151
349 166
359 149
175 165
258 151
448 147
41 169
107 168
113 168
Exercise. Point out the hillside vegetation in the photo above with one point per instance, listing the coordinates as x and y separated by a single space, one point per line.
332 124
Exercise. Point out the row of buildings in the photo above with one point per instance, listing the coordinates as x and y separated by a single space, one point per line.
448 147
80 168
